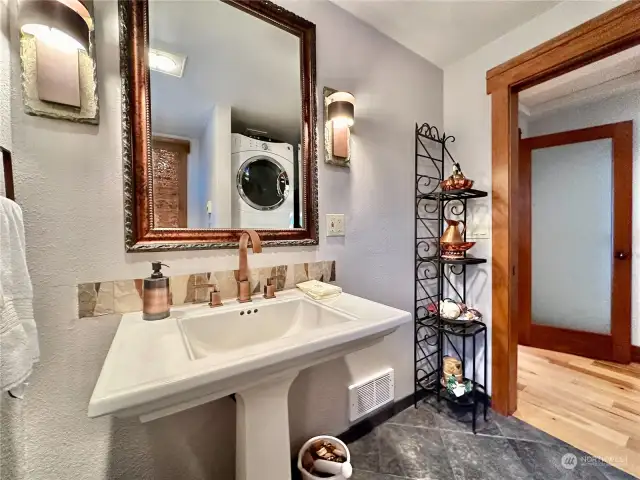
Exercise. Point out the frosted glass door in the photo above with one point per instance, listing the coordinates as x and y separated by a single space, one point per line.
571 236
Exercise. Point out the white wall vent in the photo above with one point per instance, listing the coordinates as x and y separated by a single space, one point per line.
367 396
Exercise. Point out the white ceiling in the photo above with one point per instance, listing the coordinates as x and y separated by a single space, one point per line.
610 76
233 59
444 31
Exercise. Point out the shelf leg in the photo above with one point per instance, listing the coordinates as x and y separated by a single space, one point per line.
475 408
484 378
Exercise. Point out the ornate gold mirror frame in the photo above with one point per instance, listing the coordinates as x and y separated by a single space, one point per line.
140 233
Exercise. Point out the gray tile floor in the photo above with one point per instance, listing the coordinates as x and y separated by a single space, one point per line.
435 442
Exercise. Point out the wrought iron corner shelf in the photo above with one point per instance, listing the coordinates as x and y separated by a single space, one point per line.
437 278
444 196
452 261
466 400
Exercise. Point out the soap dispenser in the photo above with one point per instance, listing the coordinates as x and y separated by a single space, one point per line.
156 304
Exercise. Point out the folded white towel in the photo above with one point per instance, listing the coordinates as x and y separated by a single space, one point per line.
19 348
319 290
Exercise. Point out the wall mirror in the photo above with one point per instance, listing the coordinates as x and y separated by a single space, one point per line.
219 124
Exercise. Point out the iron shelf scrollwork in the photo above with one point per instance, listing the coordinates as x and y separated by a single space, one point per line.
437 278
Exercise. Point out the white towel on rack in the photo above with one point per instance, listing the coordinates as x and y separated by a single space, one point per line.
19 348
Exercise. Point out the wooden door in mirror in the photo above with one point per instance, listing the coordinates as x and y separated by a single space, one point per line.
218 124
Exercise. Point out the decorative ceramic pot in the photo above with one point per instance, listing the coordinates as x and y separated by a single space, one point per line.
457 181
449 309
453 251
452 366
451 233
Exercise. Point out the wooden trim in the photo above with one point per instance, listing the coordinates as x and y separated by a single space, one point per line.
622 137
7 169
575 342
140 233
600 132
605 35
504 284
609 33
635 354
524 244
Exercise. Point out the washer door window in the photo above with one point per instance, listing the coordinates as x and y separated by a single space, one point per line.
263 183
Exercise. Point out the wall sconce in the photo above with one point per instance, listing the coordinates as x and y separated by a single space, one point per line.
339 118
59 23
57 59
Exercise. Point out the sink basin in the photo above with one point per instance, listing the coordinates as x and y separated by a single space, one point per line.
217 333
253 350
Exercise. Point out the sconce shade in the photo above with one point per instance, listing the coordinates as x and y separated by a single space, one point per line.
341 108
51 18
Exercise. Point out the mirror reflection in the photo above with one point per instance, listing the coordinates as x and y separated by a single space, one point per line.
225 118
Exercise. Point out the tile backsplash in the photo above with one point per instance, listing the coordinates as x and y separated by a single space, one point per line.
122 296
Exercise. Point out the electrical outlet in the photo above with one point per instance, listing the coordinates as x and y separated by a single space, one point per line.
335 225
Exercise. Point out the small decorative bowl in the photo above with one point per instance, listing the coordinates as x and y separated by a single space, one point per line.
453 251
469 315
456 183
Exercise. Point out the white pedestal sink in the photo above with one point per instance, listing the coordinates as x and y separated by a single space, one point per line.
254 350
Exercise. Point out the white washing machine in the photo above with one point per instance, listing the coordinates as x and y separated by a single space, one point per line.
262 173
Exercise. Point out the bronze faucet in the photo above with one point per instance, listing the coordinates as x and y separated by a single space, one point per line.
244 286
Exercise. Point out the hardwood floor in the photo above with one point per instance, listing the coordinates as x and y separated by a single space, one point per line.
590 404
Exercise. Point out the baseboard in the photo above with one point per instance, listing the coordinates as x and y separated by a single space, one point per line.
360 429
635 354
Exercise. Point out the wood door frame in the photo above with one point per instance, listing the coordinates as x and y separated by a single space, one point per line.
616 346
605 35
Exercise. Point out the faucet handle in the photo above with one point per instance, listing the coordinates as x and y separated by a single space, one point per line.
270 288
215 299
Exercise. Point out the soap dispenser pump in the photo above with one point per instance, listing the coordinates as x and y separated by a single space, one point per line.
156 303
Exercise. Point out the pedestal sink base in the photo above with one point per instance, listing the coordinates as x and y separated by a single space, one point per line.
262 430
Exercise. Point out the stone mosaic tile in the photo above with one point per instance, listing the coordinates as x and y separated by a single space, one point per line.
326 271
300 273
126 296
227 283
87 299
254 278
178 289
195 292
105 301
123 296
264 275
281 277
289 281
315 270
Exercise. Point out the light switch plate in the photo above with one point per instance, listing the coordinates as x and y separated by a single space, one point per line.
477 234
335 225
